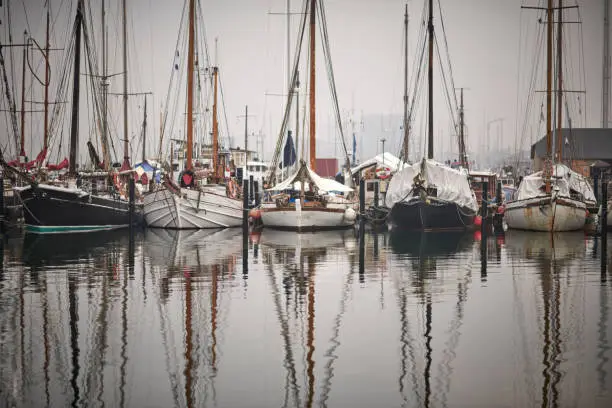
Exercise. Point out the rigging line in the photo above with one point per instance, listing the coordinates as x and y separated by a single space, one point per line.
229 137
450 68
445 86
296 59
172 74
518 84
582 66
331 79
10 101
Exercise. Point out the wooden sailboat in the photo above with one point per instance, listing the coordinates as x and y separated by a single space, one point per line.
557 198
192 206
304 200
428 195
81 204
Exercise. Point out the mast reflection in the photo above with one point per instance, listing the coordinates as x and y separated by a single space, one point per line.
299 253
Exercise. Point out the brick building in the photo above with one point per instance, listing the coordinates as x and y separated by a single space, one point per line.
581 148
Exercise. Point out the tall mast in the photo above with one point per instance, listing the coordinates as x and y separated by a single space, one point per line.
246 134
297 115
74 125
144 133
462 155
126 156
430 29
190 61
549 22
313 123
606 66
559 83
105 150
405 85
215 150
46 120
23 72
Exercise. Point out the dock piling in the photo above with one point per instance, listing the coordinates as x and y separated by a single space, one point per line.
376 194
257 196
2 205
245 206
484 208
131 201
251 191
362 197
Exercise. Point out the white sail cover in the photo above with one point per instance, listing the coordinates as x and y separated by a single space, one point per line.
323 184
386 159
563 177
452 185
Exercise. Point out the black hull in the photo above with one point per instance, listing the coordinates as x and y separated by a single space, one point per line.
55 210
417 215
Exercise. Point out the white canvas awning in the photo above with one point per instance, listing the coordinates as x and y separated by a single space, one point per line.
386 159
322 184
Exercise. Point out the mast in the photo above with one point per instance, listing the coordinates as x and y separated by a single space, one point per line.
549 22
606 66
126 156
405 86
560 84
297 116
74 126
313 123
23 73
105 151
246 134
46 120
190 61
144 133
462 155
215 150
430 29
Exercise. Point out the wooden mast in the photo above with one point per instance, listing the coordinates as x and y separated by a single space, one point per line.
462 155
313 123
215 149
126 156
105 151
549 22
406 131
430 29
74 126
190 61
560 84
23 73
46 120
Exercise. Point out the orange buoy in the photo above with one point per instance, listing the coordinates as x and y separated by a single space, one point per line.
255 213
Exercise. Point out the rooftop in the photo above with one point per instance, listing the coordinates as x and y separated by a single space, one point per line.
580 144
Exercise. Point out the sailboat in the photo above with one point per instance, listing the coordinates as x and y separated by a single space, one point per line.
428 195
556 198
81 203
189 205
305 201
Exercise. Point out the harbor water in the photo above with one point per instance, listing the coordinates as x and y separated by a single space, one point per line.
212 318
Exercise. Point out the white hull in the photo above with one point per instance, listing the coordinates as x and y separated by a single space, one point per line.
544 214
207 207
296 218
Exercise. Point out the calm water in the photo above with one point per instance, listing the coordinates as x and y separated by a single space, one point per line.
192 320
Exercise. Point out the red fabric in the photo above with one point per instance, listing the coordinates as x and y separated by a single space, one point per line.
144 179
187 178
126 165
64 164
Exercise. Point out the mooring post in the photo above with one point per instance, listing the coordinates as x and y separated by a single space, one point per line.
603 222
362 197
257 196
251 190
484 208
498 194
2 205
361 251
596 185
131 201
245 206
376 194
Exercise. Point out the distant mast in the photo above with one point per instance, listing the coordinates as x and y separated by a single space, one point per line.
215 135
560 83
430 29
549 23
462 154
406 126
23 91
313 145
47 79
190 62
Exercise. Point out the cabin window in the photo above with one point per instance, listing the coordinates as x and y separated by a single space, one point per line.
370 187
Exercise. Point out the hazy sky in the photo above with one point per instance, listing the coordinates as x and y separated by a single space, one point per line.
491 45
